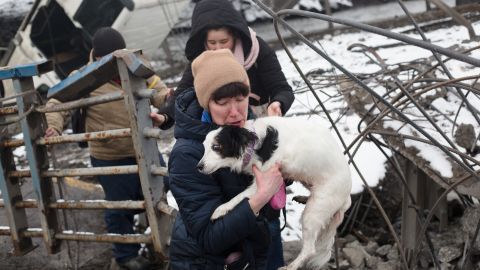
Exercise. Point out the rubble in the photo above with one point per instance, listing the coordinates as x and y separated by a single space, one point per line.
469 222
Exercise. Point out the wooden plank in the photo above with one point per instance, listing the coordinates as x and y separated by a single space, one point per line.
433 192
33 127
147 156
87 79
25 71
410 222
11 193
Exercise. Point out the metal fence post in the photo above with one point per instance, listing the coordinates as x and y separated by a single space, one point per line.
147 156
11 193
33 127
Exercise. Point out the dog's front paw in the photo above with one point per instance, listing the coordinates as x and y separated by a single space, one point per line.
221 211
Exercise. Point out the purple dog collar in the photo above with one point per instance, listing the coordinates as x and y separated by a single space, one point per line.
249 151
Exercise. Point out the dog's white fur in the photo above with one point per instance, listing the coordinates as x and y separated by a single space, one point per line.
309 154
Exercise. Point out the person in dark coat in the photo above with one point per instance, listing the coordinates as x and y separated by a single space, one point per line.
241 238
217 25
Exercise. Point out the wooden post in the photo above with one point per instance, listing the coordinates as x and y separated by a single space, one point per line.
410 223
328 11
425 192
433 192
147 156
11 193
33 127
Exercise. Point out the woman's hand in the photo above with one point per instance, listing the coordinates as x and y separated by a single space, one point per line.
51 132
158 119
268 183
274 109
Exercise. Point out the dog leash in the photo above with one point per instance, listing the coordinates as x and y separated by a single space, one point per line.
248 153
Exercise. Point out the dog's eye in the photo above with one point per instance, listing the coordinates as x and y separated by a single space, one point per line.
216 147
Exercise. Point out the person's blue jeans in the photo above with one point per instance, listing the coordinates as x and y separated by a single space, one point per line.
275 250
121 188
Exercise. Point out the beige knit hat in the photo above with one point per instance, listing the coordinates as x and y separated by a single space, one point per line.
214 69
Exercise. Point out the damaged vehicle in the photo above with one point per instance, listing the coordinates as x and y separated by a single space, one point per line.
61 31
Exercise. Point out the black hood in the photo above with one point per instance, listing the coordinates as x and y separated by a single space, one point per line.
215 13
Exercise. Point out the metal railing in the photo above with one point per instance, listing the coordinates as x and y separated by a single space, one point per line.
29 112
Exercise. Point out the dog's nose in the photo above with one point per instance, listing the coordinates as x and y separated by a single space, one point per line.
200 166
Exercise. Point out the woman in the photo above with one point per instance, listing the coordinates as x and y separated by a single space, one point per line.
217 25
240 239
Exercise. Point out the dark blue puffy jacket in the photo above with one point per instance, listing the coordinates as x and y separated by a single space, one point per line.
197 242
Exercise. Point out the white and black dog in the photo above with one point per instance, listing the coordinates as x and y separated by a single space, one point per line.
308 153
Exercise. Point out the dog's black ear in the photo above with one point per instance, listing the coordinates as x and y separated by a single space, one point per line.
269 144
233 140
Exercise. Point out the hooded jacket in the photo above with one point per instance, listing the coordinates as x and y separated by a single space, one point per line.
266 77
196 241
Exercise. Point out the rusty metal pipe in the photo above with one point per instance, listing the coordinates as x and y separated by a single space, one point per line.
11 143
112 170
90 136
4 230
81 137
109 238
163 171
84 102
86 236
82 204
152 132
19 117
8 110
144 93
100 204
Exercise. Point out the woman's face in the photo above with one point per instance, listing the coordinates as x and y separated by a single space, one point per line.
220 38
230 111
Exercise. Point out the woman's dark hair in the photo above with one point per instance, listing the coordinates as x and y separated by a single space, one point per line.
232 31
230 90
